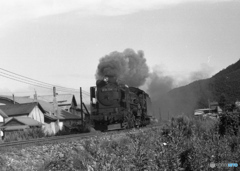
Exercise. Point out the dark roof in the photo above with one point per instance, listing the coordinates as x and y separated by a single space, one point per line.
18 109
50 116
4 115
67 115
18 127
63 115
25 120
213 107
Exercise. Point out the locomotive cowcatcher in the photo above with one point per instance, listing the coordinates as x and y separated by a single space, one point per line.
117 106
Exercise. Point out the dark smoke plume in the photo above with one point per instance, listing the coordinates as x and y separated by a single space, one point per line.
128 66
159 84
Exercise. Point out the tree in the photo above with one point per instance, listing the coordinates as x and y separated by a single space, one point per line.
222 101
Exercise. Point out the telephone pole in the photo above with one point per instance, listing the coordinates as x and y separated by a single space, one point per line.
13 98
55 105
81 103
35 96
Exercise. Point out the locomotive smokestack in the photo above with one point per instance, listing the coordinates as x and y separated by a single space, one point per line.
127 67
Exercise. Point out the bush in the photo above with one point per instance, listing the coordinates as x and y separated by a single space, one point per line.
24 135
229 124
74 129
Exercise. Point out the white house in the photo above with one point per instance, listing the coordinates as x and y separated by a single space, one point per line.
3 116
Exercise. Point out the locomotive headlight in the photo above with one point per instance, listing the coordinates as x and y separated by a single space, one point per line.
105 79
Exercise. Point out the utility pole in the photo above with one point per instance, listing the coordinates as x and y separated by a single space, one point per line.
55 105
81 103
35 96
13 99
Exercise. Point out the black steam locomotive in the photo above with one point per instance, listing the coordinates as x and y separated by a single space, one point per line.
117 106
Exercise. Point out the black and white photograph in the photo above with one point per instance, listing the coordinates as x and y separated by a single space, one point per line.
119 85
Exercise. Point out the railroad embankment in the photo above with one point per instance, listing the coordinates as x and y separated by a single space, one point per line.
182 144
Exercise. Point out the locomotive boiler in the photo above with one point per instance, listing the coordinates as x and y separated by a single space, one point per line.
117 106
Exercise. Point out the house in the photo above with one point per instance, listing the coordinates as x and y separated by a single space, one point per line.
65 101
32 110
3 116
65 118
214 106
212 112
21 123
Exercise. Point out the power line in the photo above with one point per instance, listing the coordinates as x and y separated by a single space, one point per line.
50 88
25 82
33 79
37 83
23 79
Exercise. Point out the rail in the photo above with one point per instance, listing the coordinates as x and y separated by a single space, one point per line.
49 139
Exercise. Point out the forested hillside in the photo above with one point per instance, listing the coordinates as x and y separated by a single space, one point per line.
227 82
185 99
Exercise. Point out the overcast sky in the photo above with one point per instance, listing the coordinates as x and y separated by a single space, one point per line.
61 41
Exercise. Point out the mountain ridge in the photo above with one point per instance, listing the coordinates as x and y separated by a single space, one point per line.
185 99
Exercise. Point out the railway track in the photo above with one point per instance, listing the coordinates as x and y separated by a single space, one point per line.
72 136
49 139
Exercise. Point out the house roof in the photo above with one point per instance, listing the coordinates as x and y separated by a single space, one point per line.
19 109
25 121
4 115
18 127
63 115
18 99
214 104
44 105
62 99
50 116
67 115
24 100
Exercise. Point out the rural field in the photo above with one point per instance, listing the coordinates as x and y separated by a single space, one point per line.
181 144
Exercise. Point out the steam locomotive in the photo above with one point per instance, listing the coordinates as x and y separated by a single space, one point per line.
117 106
